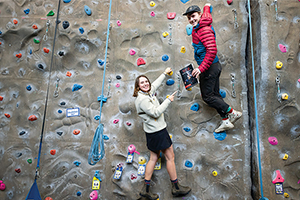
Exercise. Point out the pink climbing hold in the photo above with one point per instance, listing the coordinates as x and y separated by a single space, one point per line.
278 178
140 61
152 13
94 195
282 48
299 78
171 15
273 140
2 186
118 85
128 123
132 52
119 23
115 121
132 149
229 2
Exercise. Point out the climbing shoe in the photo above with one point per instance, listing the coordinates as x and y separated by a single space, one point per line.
226 125
145 192
234 115
179 190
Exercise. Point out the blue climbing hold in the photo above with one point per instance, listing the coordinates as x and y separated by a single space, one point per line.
87 10
105 137
67 1
59 111
28 87
189 29
184 1
187 129
195 107
222 93
81 30
97 175
165 57
100 62
104 99
27 11
188 164
220 136
76 87
97 117
77 163
78 193
210 8
30 51
170 81
0 32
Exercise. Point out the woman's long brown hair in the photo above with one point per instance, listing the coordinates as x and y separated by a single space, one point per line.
136 85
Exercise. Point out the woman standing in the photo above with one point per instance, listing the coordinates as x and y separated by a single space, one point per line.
154 125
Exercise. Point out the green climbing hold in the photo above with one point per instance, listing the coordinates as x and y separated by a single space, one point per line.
51 13
36 41
29 161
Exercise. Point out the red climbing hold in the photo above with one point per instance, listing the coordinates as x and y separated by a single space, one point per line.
34 26
278 178
46 50
48 198
76 132
0 43
7 115
19 55
32 118
229 2
18 170
171 15
69 74
53 152
15 21
140 61
1 98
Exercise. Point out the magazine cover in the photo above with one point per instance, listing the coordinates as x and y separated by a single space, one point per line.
188 80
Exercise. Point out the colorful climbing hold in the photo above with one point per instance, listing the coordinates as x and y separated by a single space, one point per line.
170 82
19 55
1 98
117 85
299 80
76 87
65 24
18 170
87 10
152 3
29 161
7 115
22 133
119 23
97 117
59 111
94 195
78 193
229 2
186 129
51 13
61 53
222 93
101 97
48 198
36 41
26 11
115 121
53 152
165 57
118 77
77 163
69 74
171 15
132 149
282 48
220 136
59 133
152 13
29 88
32 118
128 123
279 65
188 164
100 62
273 140
286 195
184 1
34 26
195 107
133 176
182 49
132 52
141 160
214 173
105 137
81 30
76 131
30 52
67 1
2 185
46 50
285 96
140 61
278 178
285 157
15 21
189 29
165 34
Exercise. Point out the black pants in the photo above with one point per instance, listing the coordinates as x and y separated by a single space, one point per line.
210 86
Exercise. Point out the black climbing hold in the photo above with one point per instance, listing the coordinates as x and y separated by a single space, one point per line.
58 21
62 103
40 66
65 24
22 133
18 155
118 77
61 53
59 133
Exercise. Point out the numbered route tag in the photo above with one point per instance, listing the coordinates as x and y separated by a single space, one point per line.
96 184
129 157
158 164
141 169
118 173
278 188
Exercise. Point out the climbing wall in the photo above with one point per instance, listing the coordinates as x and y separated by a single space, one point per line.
277 62
67 81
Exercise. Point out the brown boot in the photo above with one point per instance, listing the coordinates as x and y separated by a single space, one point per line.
179 190
145 192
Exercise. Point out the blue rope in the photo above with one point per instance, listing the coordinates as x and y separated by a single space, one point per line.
95 155
255 104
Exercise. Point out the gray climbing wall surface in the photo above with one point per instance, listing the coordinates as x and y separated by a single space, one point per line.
31 81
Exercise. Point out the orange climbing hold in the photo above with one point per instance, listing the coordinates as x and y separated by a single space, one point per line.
15 21
34 26
48 198
1 98
32 118
0 43
7 115
76 132
19 55
69 74
53 152
46 50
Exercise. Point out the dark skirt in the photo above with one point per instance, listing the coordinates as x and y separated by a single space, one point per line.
158 140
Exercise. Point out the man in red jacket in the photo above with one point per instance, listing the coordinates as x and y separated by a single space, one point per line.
205 53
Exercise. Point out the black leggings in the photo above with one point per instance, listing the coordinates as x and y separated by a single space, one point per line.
210 86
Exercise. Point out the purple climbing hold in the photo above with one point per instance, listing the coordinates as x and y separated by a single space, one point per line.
76 87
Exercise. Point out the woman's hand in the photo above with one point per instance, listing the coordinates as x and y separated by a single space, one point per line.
168 70
171 97
196 72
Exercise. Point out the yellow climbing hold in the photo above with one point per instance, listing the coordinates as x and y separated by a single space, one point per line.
152 3
285 96
167 96
279 65
182 49
285 157
171 73
190 89
165 34
286 195
170 135
142 160
214 173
